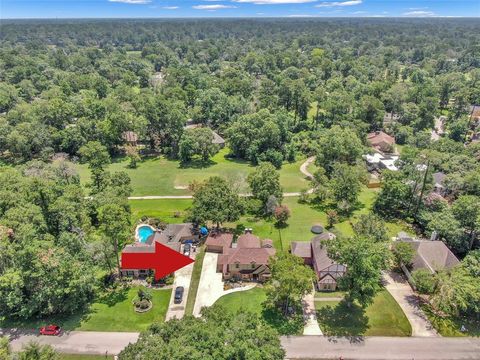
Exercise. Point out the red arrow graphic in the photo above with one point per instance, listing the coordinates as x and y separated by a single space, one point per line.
163 261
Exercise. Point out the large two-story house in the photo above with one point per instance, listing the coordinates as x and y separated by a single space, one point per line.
246 259
314 253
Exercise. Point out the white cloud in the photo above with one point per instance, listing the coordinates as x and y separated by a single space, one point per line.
419 13
359 12
339 3
132 1
300 15
274 2
170 7
213 7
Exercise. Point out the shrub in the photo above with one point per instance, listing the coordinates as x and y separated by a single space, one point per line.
144 295
403 253
142 304
424 281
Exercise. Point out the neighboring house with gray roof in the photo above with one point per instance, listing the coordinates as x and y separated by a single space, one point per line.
438 183
431 255
172 236
315 253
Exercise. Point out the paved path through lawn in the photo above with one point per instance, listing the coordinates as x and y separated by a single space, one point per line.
303 169
76 342
381 348
310 315
183 278
401 291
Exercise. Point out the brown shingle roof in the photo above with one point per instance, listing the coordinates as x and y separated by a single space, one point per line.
301 249
319 251
247 256
248 241
219 239
267 243
378 137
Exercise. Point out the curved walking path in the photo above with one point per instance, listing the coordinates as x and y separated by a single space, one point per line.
401 291
303 169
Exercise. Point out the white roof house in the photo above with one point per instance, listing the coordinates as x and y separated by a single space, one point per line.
379 161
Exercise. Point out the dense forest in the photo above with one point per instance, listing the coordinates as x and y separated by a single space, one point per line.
274 89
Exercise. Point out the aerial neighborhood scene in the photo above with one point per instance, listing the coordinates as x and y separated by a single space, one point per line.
239 180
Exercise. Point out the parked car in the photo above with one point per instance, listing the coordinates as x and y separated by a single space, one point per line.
53 330
186 249
179 294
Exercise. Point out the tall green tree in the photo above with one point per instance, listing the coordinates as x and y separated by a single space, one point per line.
215 200
291 280
365 259
264 182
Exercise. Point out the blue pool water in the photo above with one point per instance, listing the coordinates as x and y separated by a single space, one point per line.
144 232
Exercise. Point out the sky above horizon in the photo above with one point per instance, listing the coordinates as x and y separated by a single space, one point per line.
236 8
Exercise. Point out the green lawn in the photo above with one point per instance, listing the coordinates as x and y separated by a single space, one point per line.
84 357
252 300
383 318
451 326
111 313
164 209
329 294
197 271
159 176
303 216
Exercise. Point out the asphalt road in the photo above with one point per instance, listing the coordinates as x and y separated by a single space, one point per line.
381 348
78 342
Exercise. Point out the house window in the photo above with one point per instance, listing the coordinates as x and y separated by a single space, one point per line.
143 271
237 266
130 273
253 265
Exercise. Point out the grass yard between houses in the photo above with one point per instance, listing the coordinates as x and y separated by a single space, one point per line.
303 216
253 301
161 176
110 313
197 271
382 318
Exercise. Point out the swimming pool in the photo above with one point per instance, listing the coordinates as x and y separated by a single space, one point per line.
144 232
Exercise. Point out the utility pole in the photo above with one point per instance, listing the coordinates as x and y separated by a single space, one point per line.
422 190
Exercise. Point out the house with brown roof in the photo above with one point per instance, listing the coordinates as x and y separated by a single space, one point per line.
431 255
173 236
218 242
381 141
246 259
314 253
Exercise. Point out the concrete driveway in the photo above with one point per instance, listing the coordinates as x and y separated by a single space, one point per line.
401 291
183 277
76 342
210 286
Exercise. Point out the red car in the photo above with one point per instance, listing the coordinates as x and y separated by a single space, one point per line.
50 330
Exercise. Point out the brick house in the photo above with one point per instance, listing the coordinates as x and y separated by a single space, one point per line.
247 259
314 253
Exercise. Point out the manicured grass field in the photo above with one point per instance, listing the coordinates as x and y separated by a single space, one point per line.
197 271
164 209
111 313
329 294
160 176
383 318
84 357
253 301
303 216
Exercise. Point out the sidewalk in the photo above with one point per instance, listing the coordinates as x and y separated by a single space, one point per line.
310 315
